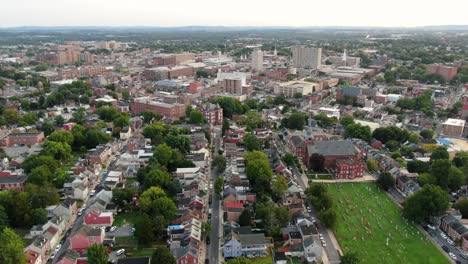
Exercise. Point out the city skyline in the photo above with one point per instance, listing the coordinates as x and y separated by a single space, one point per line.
359 13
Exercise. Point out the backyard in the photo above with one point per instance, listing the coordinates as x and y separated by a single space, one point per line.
126 218
368 220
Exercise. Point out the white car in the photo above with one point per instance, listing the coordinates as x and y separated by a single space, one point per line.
57 248
308 209
450 242
120 252
452 256
113 229
431 227
80 212
321 236
444 236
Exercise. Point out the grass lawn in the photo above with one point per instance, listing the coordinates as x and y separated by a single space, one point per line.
265 260
128 218
133 249
319 176
367 217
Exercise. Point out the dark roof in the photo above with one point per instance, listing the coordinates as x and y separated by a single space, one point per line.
68 202
338 147
297 140
280 256
12 179
252 239
295 235
308 230
134 260
459 228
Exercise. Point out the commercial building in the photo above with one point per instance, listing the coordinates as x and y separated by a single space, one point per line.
307 57
289 89
453 127
330 112
22 139
234 82
447 72
173 111
257 60
156 74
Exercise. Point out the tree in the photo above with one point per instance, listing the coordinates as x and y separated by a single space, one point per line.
11 116
406 152
252 143
40 216
347 120
59 121
461 159
455 178
107 113
206 229
289 159
279 185
439 169
349 258
245 218
414 138
219 162
295 121
157 177
358 131
144 229
196 117
427 134
97 254
34 161
60 151
162 254
225 126
372 165
392 145
179 142
462 205
429 201
47 127
440 154
150 115
328 217
253 120
317 162
11 248
79 116
123 196
259 173
40 175
4 222
417 166
425 179
218 187
62 136
386 181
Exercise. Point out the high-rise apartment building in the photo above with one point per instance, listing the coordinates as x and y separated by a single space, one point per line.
307 57
257 60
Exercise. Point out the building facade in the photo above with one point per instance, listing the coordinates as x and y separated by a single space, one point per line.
307 57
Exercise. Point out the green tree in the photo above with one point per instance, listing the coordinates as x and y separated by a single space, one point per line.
279 185
386 181
252 143
225 126
462 205
461 159
11 248
218 187
439 169
414 138
179 142
79 116
196 117
144 229
121 197
206 229
406 152
372 165
429 201
328 217
358 131
425 179
347 120
149 116
253 120
289 159
392 145
219 162
162 254
61 136
349 258
40 175
155 203
295 121
455 178
245 218
440 154
157 177
47 127
107 113
11 116
427 134
259 173
417 166
60 151
97 254
59 121
40 216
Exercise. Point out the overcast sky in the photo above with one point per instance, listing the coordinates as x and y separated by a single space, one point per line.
406 13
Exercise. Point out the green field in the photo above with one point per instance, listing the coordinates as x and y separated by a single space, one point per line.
367 217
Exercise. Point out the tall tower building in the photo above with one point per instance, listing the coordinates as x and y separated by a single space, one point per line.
307 57
257 60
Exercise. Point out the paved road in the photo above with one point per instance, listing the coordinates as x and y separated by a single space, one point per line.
216 218
332 252
80 219
443 242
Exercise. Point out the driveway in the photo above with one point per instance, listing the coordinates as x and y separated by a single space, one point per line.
113 258
124 231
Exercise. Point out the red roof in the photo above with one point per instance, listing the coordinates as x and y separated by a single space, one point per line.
93 218
234 205
465 107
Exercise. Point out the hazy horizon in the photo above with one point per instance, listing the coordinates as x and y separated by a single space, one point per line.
241 13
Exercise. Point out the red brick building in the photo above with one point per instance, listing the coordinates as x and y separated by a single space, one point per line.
22 139
85 236
213 113
98 218
447 72
349 169
12 182
180 71
173 111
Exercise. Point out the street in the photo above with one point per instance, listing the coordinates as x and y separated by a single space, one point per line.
332 252
216 213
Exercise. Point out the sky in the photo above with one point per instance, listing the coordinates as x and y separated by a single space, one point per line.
295 13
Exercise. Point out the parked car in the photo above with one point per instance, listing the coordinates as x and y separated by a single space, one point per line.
120 252
431 227
450 242
445 248
57 248
443 235
113 229
80 212
452 256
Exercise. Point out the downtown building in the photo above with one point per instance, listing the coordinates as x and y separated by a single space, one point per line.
307 57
